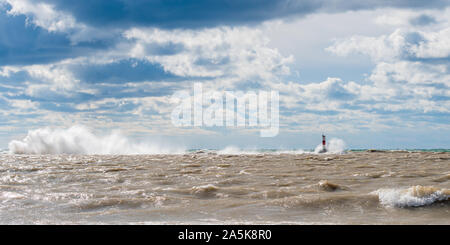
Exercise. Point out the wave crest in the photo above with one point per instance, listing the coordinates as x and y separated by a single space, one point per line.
334 146
80 140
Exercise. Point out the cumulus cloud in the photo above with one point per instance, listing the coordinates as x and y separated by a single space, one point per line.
24 104
401 44
43 15
118 65
46 16
411 64
132 80
212 52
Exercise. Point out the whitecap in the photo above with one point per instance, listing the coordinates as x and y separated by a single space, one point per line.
414 196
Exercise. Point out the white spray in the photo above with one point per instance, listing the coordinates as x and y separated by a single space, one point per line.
80 140
334 146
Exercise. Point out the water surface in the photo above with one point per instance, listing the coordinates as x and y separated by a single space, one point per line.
204 187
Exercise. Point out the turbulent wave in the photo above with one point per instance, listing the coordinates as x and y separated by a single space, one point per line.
414 196
346 201
328 186
205 191
80 140
334 146
233 150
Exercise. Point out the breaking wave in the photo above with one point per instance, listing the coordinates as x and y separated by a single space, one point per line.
233 150
328 186
205 191
334 146
80 140
414 196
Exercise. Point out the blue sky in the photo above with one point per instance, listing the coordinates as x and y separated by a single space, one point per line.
374 73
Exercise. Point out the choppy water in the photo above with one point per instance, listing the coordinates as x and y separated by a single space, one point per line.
209 188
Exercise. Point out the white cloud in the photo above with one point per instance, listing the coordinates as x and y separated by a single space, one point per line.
43 15
400 44
385 47
52 77
226 57
6 71
411 71
24 104
222 51
434 45
407 41
56 78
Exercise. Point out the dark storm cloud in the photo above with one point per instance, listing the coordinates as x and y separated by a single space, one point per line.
25 44
182 14
22 44
207 13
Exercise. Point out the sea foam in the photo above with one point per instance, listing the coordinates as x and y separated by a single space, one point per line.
81 140
334 146
414 196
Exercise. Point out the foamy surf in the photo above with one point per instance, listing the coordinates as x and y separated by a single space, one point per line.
234 150
81 140
193 187
205 191
414 196
334 146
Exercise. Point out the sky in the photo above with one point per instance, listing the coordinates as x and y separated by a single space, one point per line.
373 73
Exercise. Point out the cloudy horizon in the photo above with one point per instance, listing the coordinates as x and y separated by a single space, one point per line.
375 74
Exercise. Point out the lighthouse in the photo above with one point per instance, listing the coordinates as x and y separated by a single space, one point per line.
324 145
